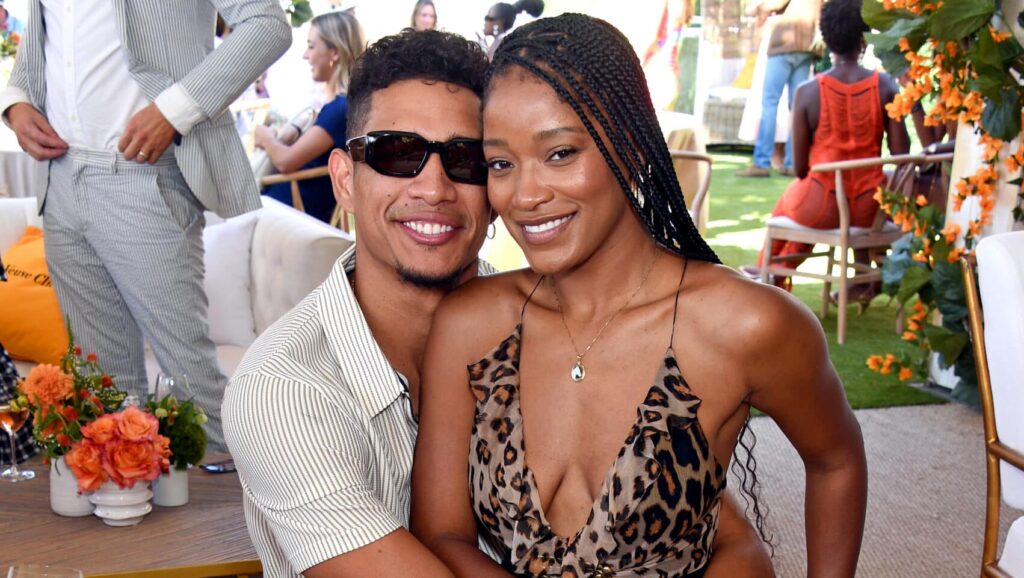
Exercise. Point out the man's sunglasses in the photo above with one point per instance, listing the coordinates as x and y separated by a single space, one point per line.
404 154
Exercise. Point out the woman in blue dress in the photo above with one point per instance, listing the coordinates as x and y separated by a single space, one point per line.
335 40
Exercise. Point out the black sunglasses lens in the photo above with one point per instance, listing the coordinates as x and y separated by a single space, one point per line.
397 155
464 161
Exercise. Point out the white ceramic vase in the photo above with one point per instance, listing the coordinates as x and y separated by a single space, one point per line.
119 506
65 499
171 489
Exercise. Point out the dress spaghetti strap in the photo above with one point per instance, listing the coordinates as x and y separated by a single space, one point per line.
528 297
675 308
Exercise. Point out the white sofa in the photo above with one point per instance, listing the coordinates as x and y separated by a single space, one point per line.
286 254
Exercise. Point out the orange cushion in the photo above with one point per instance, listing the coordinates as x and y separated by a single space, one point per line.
31 324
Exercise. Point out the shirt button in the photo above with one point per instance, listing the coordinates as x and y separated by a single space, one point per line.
68 7
73 117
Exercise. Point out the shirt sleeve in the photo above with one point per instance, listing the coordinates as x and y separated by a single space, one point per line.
303 460
333 119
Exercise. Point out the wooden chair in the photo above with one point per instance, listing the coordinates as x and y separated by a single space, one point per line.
340 219
841 241
696 206
997 331
254 112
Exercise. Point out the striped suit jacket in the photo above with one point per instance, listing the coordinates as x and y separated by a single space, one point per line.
171 43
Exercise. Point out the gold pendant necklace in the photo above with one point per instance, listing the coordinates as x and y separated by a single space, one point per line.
579 371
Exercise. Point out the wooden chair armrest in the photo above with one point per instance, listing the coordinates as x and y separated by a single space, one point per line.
302 175
705 182
867 162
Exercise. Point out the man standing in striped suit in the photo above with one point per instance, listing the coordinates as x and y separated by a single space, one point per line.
127 101
320 415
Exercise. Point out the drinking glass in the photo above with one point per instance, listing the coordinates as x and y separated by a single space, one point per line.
11 420
167 383
42 571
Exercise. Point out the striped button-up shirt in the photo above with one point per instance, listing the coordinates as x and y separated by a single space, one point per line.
322 432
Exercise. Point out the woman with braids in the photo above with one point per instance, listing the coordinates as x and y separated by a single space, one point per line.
839 115
608 385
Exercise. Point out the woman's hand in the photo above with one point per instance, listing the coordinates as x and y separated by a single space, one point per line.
263 135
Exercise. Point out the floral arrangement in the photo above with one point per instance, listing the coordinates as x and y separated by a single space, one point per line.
182 423
958 55
123 447
9 42
924 267
67 398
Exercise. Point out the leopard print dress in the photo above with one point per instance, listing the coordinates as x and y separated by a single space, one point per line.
657 513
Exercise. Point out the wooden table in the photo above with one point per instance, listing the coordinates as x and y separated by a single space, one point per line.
209 530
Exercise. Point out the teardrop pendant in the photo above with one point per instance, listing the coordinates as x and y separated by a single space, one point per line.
578 372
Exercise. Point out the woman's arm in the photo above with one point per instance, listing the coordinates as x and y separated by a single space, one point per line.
895 129
797 386
802 133
290 158
737 550
442 516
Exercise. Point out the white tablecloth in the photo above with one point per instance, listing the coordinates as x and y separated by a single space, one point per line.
20 174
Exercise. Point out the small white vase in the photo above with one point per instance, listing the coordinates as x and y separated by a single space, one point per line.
171 489
65 499
119 506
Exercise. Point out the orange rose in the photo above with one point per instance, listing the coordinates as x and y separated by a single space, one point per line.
47 385
162 446
16 38
135 425
84 461
127 462
101 430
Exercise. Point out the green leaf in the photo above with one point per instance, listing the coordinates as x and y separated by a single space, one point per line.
1001 117
1016 181
300 12
984 55
882 42
876 16
948 343
913 279
988 86
893 62
957 19
1010 49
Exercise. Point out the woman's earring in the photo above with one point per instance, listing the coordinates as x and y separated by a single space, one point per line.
491 230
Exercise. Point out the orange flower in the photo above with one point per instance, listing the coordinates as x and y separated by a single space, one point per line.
874 362
135 425
904 44
951 232
909 336
16 38
47 385
954 255
906 373
921 200
101 430
84 461
997 35
128 462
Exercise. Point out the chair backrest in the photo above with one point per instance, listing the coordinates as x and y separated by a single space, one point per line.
1001 280
703 163
905 165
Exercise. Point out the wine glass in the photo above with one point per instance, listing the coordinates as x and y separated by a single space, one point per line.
173 384
11 420
42 571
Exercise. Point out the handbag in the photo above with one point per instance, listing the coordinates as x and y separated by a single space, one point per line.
301 122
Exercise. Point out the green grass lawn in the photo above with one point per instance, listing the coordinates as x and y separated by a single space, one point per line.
738 209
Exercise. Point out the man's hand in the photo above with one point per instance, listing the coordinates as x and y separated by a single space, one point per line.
147 136
35 135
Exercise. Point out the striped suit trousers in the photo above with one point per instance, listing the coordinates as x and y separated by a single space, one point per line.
124 245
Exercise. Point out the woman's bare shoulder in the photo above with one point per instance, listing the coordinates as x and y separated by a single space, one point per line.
747 316
480 313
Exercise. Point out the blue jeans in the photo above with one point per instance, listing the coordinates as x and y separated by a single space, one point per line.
789 69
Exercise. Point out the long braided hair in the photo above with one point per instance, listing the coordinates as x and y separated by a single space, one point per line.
593 68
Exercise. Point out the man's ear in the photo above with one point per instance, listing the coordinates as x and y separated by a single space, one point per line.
340 166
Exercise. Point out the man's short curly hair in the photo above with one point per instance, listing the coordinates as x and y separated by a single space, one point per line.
842 27
429 55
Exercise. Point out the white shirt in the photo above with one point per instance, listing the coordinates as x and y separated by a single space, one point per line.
322 431
90 95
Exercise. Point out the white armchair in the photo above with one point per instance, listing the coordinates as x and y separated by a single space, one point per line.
998 332
258 266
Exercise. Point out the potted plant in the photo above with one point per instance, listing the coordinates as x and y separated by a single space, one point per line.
182 423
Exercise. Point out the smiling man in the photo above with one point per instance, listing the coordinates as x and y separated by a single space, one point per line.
320 416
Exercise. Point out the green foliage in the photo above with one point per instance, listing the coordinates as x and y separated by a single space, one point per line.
956 19
1001 117
182 423
299 12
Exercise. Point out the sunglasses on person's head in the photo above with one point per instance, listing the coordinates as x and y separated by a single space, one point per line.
404 154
